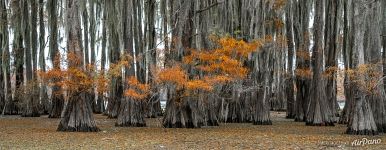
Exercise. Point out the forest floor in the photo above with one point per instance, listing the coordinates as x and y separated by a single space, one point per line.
40 133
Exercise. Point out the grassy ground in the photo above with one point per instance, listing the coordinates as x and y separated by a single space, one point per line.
40 133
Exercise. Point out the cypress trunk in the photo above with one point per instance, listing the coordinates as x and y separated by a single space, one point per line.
131 113
361 119
181 112
302 42
319 111
78 115
44 101
290 79
57 98
5 60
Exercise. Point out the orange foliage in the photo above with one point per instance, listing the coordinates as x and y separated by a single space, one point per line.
303 73
279 24
224 60
101 83
304 55
76 78
116 68
330 72
174 75
199 85
136 90
219 66
367 77
219 79
279 4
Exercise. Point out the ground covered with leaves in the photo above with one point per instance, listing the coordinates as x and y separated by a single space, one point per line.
40 133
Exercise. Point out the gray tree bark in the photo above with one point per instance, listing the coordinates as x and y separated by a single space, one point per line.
78 114
361 118
56 98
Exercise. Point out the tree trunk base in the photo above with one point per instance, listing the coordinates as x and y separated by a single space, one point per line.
78 116
31 114
112 109
57 107
361 132
267 122
212 123
381 128
320 124
11 109
290 117
80 128
183 114
131 114
180 125
131 125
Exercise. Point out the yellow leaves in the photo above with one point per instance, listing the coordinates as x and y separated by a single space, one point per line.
137 90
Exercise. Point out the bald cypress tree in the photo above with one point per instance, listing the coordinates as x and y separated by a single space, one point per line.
43 96
290 79
30 107
302 42
319 111
78 114
57 99
18 51
361 119
3 40
116 86
5 67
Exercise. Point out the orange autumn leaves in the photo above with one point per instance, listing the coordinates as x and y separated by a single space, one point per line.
214 67
74 79
78 78
136 90
367 77
217 66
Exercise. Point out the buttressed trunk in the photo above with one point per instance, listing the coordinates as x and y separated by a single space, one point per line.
262 96
319 111
181 112
302 41
57 97
78 116
131 113
361 119
373 48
